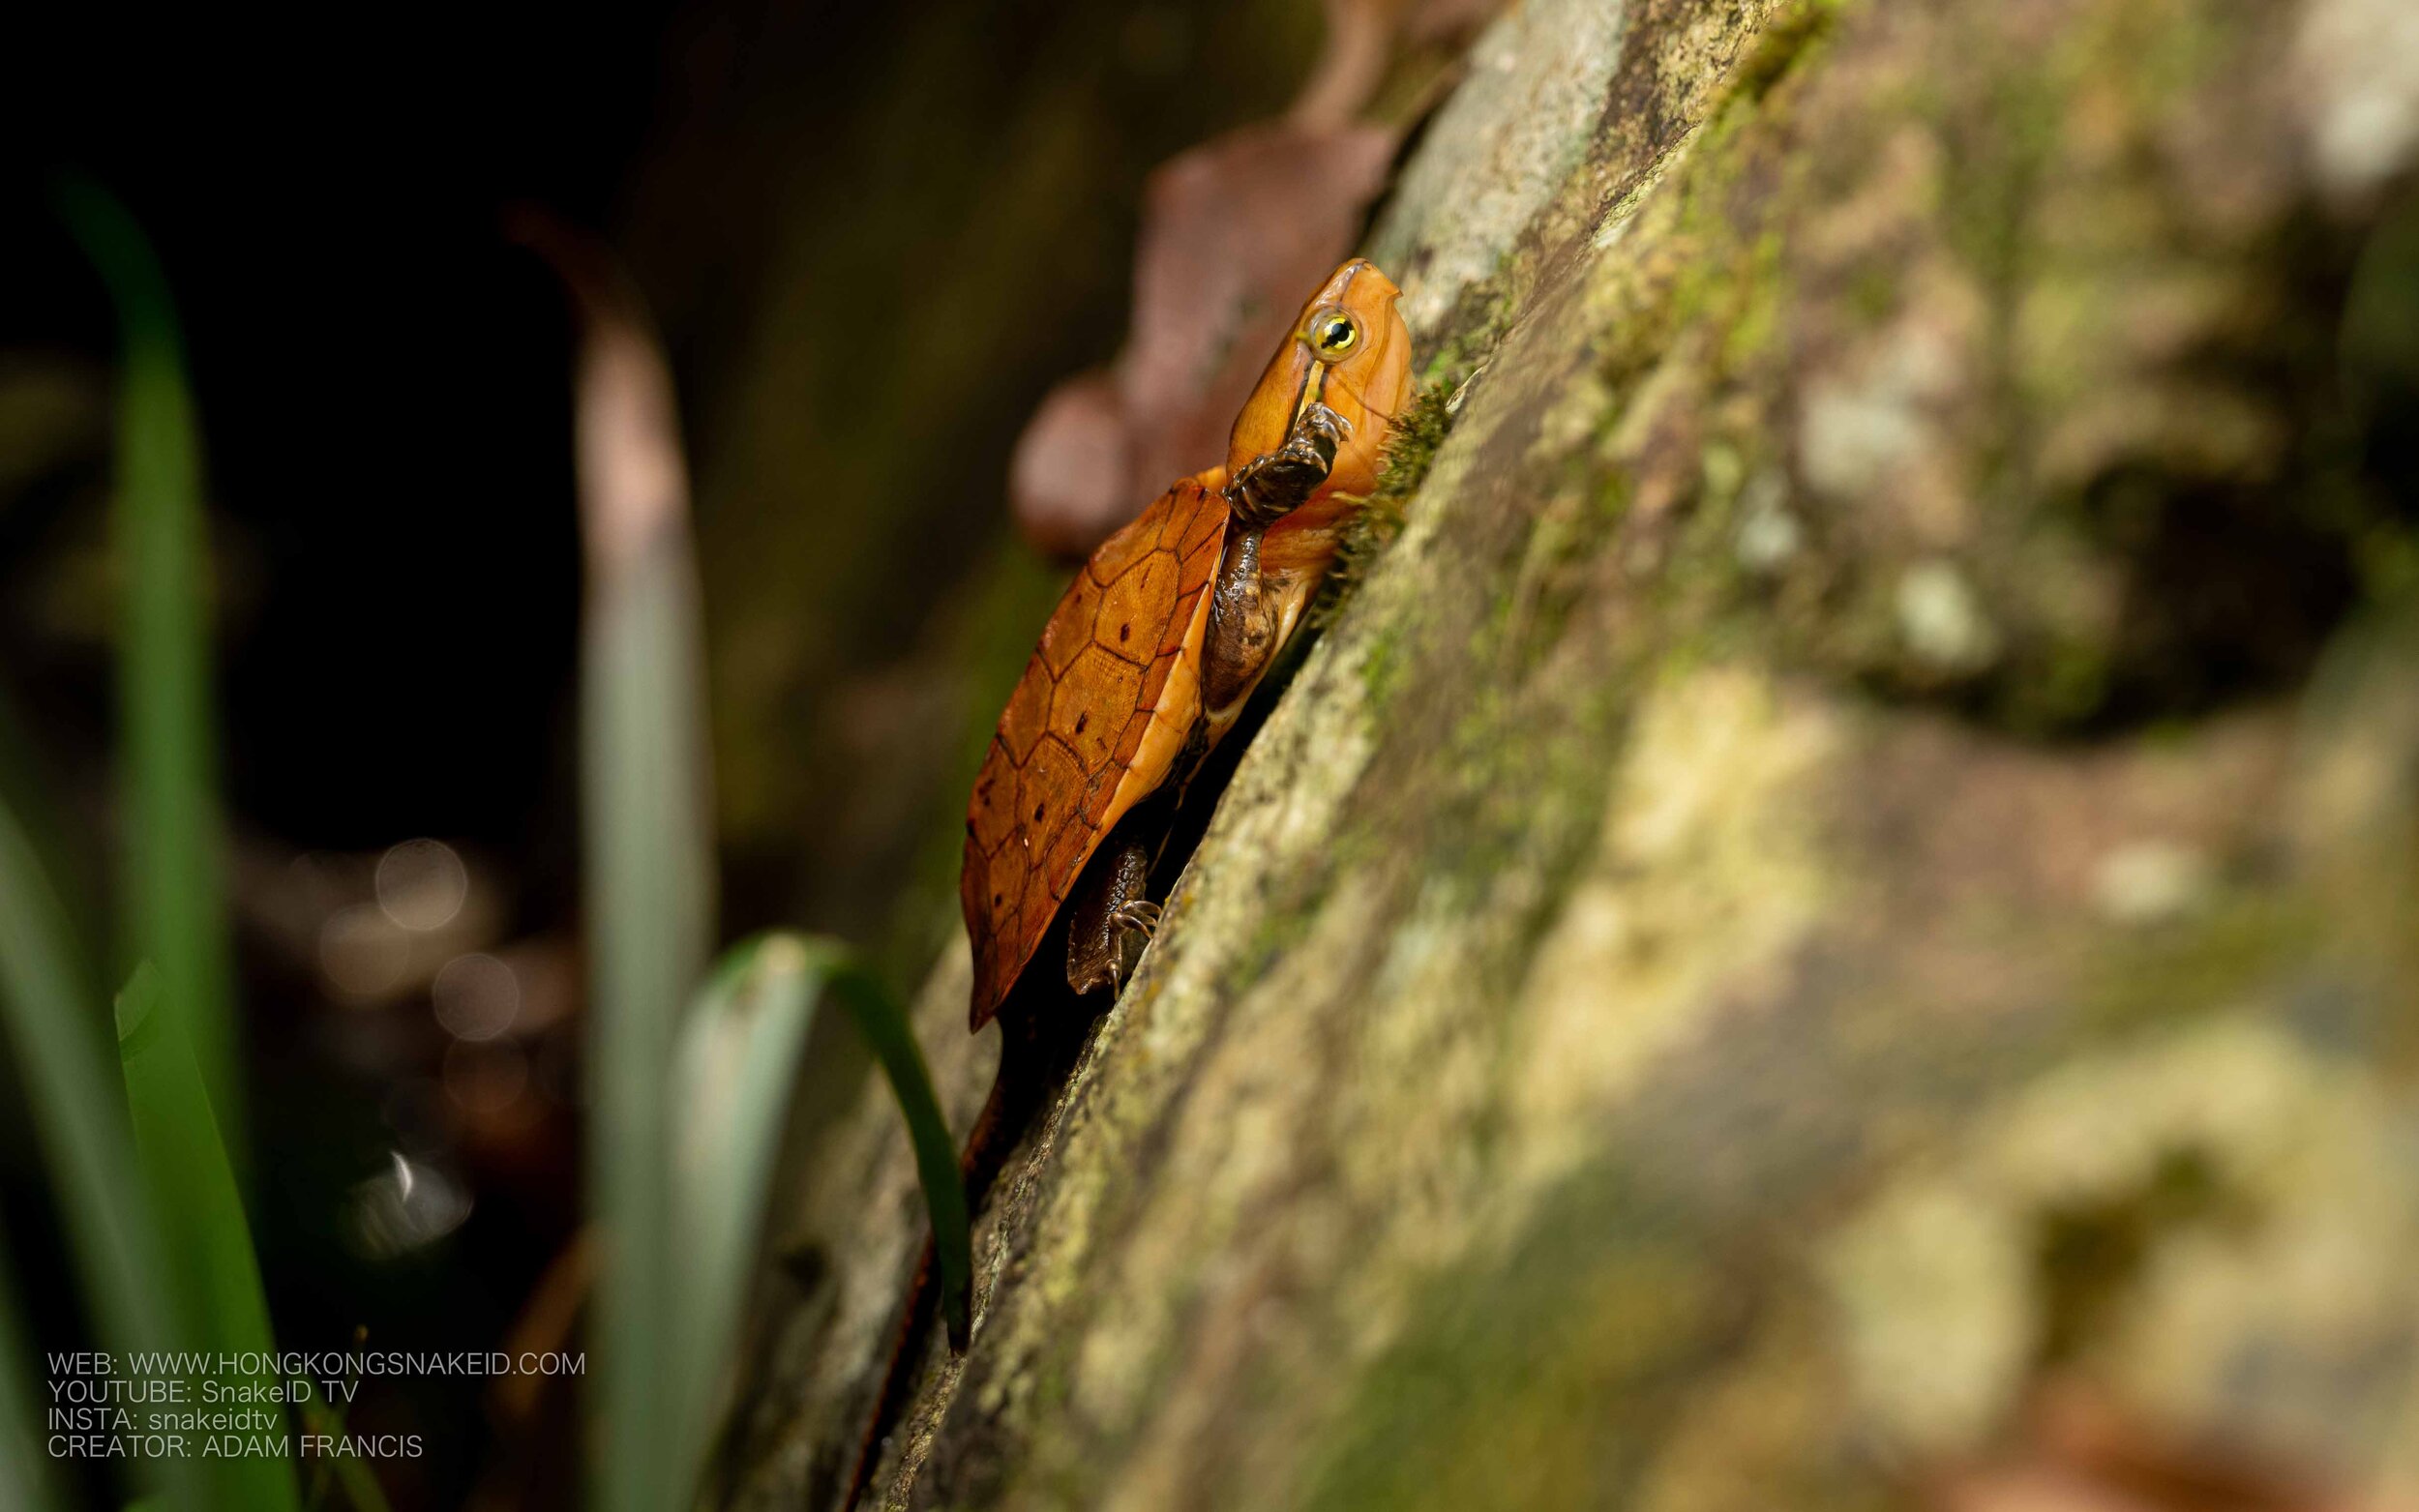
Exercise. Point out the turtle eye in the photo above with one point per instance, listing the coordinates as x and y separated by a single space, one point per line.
1333 334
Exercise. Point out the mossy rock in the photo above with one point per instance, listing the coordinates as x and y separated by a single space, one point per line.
1839 899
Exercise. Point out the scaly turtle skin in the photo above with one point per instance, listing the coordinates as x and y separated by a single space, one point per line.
1156 646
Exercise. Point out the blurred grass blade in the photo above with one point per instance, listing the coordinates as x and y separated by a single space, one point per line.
646 824
176 1034
25 1478
352 1471
738 1057
55 1029
193 1188
25 787
883 1022
739 1053
175 912
679 1189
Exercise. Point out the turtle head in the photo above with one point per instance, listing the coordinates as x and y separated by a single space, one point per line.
1348 351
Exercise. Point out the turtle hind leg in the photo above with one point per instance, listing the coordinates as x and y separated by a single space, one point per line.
1139 916
1112 920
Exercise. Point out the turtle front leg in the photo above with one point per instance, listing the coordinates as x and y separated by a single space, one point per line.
1272 486
1244 625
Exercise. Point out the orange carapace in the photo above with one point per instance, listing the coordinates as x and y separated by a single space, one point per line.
1160 640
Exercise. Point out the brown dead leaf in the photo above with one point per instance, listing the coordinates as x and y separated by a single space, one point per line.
634 480
1233 232
2078 1451
1070 471
1359 35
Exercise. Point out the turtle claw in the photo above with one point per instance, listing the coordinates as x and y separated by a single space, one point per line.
1140 915
1135 916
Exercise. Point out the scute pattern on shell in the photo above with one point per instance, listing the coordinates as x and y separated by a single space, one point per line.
1063 766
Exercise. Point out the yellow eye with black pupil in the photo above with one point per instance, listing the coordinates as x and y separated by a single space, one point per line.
1333 334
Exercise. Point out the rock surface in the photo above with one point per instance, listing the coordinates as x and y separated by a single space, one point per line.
1836 919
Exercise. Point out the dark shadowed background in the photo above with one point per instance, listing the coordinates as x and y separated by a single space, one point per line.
871 237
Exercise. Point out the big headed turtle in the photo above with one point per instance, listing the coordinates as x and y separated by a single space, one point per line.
1156 647
1142 669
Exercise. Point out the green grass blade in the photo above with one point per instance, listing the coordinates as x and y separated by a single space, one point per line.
649 868
175 910
25 1478
678 1190
647 935
883 1022
738 1057
177 1041
193 1186
56 1028
25 786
